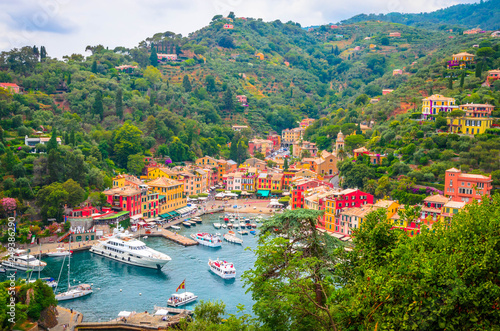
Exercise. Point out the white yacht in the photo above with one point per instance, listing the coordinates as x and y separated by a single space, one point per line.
60 251
222 269
121 246
207 239
21 261
232 238
75 292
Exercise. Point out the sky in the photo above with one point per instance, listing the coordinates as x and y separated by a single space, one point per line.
65 27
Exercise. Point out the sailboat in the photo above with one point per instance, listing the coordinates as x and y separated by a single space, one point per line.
76 291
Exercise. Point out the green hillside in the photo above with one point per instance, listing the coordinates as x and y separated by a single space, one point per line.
485 14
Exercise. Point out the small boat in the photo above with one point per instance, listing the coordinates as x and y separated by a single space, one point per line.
193 223
175 227
198 220
49 281
217 225
247 220
186 224
145 237
226 219
21 261
252 231
2 271
224 226
180 299
249 226
61 251
243 232
232 238
254 226
207 239
222 269
229 225
242 225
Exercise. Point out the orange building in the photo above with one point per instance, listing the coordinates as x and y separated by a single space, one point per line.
466 187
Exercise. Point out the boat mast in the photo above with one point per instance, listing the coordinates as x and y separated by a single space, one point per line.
39 259
69 260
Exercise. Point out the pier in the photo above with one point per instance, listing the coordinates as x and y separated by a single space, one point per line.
137 321
175 237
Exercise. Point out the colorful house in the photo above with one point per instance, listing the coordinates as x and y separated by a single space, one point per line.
228 26
255 163
289 136
336 202
466 187
173 191
461 60
11 87
493 75
469 125
435 104
260 145
397 72
395 34
276 139
432 208
306 122
238 128
299 147
386 91
242 99
125 198
450 209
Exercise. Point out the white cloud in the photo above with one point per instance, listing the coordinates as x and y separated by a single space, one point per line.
68 26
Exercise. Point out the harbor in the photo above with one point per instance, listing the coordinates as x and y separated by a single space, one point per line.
121 287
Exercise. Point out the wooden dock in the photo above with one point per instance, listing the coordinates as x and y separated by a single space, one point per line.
175 237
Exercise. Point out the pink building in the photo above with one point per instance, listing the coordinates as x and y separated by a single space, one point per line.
242 99
228 26
466 187
306 122
386 91
276 139
11 87
397 72
260 145
394 34
477 110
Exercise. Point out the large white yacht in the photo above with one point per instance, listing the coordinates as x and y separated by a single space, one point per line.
21 261
121 246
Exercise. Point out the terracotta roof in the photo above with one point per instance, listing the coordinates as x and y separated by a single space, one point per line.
163 182
455 204
453 170
463 54
8 85
438 97
474 176
360 150
437 198
384 203
124 191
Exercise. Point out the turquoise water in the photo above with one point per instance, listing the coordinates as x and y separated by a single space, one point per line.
143 288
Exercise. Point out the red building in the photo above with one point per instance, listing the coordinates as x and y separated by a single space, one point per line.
466 187
125 198
276 139
336 202
302 185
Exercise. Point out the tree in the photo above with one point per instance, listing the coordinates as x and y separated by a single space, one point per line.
440 122
152 74
136 163
153 58
51 199
227 99
43 53
97 199
186 84
450 83
462 79
97 107
354 141
52 143
291 281
76 194
210 83
94 67
479 66
128 141
384 41
119 103
285 164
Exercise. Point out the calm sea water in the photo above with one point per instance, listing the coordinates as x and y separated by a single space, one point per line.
119 286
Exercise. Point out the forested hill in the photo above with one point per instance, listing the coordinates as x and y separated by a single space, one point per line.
485 14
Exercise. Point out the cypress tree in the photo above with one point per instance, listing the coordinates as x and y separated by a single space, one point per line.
462 79
43 53
228 99
153 58
98 108
66 138
94 67
119 103
186 83
450 83
72 138
285 164
478 69
52 143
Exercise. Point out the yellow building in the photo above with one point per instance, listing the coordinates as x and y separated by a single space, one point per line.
450 209
206 161
463 57
126 180
435 104
154 173
277 182
391 207
173 191
469 125
289 136
149 204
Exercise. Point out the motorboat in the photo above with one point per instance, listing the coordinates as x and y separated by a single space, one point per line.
252 231
224 226
242 225
226 219
21 261
75 292
175 227
217 225
207 239
198 220
243 232
181 299
232 238
249 226
60 251
222 269
186 224
121 246
49 281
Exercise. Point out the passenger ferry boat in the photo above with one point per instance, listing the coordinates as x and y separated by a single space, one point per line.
122 247
207 239
181 299
222 269
20 261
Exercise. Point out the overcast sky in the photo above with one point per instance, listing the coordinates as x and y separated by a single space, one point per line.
68 26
